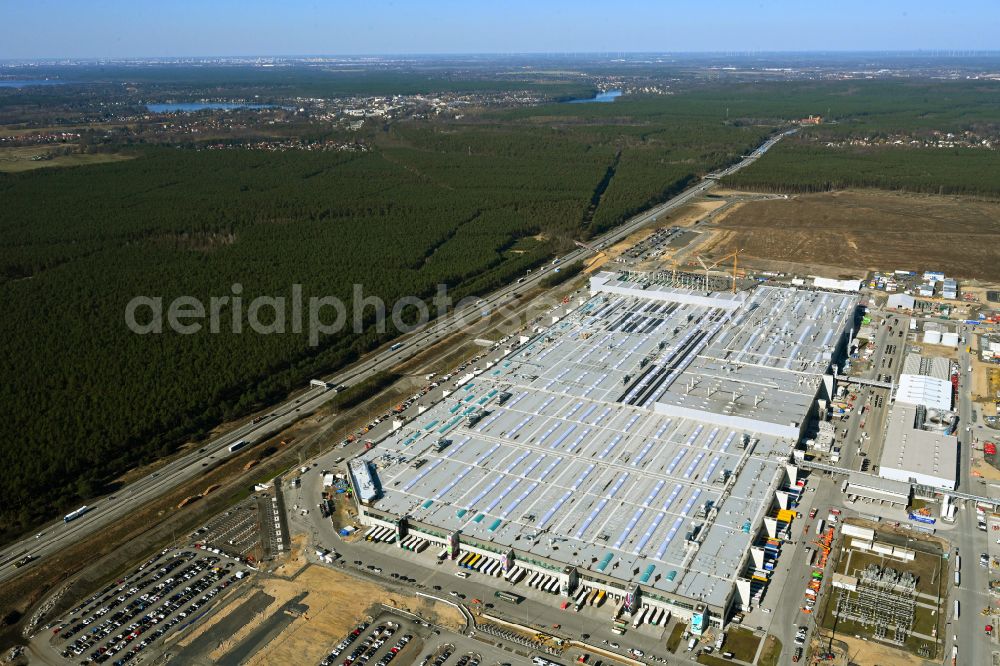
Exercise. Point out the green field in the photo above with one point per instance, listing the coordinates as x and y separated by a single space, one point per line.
742 643
13 160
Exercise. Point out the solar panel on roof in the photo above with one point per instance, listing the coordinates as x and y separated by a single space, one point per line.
515 429
667 539
454 482
563 436
576 484
693 465
523 496
552 510
601 504
611 445
642 453
628 528
676 460
600 417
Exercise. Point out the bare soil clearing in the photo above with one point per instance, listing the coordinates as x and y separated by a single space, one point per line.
864 230
26 158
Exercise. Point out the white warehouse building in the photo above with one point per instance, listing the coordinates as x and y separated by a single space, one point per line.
641 445
924 390
914 455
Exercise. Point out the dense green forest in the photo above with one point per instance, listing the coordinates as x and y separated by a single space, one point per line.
467 205
877 112
798 167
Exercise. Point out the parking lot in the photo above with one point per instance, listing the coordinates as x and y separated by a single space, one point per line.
365 642
273 529
123 619
236 532
444 652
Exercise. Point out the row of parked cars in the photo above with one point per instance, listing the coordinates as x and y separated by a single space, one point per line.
124 592
147 625
361 654
394 650
441 658
131 621
343 645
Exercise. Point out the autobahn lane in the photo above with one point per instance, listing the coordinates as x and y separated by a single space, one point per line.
105 511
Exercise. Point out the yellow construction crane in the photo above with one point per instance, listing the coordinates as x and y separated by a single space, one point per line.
673 269
735 256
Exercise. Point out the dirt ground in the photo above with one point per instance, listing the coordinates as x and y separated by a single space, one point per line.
20 158
336 602
864 230
685 217
688 215
871 652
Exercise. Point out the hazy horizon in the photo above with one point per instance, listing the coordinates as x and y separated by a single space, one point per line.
901 53
113 29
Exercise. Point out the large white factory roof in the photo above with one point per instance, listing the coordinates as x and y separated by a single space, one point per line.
924 390
911 454
621 449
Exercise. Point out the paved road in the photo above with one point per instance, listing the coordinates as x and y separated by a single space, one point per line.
105 511
539 609
973 595
786 593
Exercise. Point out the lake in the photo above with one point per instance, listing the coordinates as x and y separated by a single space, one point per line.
609 96
201 106
24 83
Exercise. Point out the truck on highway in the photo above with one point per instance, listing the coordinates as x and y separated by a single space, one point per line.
398 345
73 515
237 445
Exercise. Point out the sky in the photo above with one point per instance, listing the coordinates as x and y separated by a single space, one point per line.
143 28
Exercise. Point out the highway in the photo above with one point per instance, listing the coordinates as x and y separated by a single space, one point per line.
105 511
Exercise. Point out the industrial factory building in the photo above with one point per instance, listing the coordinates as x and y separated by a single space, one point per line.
642 445
918 449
